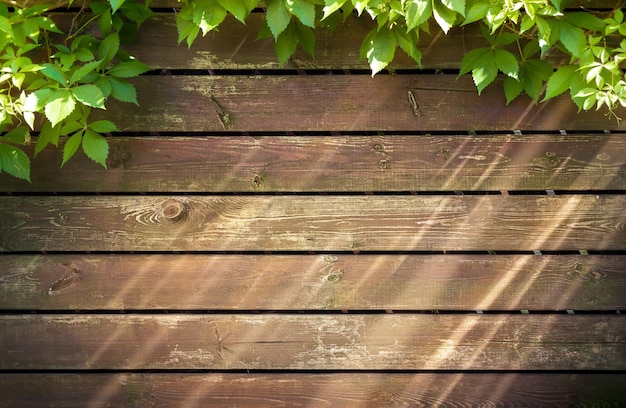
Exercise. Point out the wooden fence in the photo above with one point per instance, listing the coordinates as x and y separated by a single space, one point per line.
306 235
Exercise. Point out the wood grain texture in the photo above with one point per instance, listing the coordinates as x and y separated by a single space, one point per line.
311 390
312 282
329 342
338 164
308 223
339 103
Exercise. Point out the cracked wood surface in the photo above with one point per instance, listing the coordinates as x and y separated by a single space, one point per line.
313 342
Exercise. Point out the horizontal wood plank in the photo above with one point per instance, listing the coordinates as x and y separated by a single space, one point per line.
339 103
236 46
311 390
310 282
338 164
329 342
309 223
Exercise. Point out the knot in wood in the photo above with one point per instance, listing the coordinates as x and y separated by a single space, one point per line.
117 157
174 210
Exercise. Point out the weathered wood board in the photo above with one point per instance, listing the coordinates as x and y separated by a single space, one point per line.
352 163
313 223
340 103
313 390
313 342
312 282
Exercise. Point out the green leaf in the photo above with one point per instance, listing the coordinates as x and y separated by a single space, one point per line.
187 29
128 69
505 39
96 147
18 135
15 162
585 20
123 91
70 127
81 72
533 74
46 23
303 10
208 14
116 4
104 84
236 8
417 12
277 16
456 5
379 48
559 81
103 126
5 26
47 135
55 73
59 106
108 49
136 12
512 89
286 44
330 6
573 38
105 23
476 12
306 38
36 101
506 62
408 44
444 16
474 59
71 146
89 95
484 75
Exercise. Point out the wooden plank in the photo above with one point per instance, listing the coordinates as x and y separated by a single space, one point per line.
236 46
339 103
309 282
309 223
311 390
329 342
338 164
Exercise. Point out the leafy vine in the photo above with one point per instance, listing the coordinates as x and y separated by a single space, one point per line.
53 85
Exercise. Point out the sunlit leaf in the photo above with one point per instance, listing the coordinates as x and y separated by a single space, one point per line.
95 147
417 12
559 81
89 95
379 48
59 106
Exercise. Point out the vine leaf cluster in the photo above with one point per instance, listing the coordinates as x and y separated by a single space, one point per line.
52 81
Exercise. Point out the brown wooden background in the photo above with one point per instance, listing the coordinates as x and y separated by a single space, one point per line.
301 235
